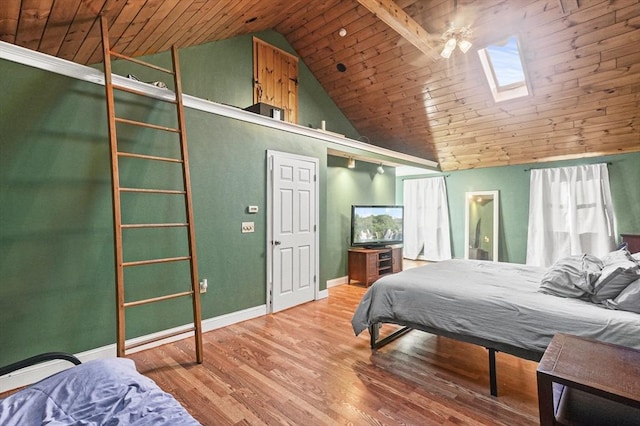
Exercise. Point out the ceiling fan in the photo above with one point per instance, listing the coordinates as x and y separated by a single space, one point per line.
414 33
456 36
453 36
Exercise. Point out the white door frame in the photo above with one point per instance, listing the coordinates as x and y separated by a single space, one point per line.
269 247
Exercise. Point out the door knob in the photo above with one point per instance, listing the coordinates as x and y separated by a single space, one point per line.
277 243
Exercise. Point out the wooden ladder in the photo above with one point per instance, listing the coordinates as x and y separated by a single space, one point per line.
116 154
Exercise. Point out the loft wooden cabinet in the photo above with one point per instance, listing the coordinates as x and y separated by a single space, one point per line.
367 265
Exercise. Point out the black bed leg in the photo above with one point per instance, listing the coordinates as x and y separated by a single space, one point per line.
493 381
373 334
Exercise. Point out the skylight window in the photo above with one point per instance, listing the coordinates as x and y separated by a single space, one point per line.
504 68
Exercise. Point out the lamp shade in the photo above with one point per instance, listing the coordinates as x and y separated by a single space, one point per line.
464 45
449 46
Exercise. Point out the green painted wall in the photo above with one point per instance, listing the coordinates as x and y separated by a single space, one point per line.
345 187
513 184
223 72
56 238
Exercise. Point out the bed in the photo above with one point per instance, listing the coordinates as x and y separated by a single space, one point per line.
99 392
496 305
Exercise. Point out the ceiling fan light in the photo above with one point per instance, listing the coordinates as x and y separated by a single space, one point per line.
464 45
446 53
449 46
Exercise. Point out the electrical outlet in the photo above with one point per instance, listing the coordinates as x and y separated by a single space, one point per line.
203 286
248 227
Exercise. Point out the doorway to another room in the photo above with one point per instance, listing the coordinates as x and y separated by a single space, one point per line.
292 230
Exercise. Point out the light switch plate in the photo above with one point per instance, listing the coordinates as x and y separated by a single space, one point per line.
248 227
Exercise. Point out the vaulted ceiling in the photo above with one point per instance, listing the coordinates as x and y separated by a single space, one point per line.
582 58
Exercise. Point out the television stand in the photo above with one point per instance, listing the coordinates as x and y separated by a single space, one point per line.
366 265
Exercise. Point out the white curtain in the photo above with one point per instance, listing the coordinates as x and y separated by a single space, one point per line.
570 212
426 219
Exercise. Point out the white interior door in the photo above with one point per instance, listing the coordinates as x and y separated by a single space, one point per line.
292 237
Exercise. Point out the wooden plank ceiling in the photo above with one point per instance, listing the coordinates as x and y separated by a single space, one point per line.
583 61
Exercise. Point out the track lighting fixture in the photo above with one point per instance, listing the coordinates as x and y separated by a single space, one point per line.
352 163
380 169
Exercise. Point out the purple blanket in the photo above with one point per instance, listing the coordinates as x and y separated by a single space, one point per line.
100 392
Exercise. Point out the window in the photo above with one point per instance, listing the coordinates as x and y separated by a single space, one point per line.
504 68
426 226
570 213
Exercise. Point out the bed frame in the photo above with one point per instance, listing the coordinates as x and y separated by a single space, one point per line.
37 359
491 346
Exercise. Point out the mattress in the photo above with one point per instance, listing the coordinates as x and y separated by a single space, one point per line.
492 301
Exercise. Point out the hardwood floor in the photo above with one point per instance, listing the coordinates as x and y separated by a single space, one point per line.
304 366
408 263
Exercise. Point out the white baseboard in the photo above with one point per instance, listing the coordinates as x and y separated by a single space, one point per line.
323 294
233 318
337 281
32 374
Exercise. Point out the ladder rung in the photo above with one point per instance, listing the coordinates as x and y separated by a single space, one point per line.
149 125
161 337
149 157
154 261
141 93
153 191
139 62
154 225
157 299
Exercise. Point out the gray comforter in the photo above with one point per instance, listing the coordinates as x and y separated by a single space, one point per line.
100 392
494 301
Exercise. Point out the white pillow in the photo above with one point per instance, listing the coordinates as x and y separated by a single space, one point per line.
617 256
628 299
615 277
572 276
619 269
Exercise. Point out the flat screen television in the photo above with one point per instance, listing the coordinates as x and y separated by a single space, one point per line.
376 226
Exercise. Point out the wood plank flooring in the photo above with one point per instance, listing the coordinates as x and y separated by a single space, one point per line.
304 366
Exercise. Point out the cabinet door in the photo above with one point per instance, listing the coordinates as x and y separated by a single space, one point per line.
357 266
396 256
372 267
275 77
